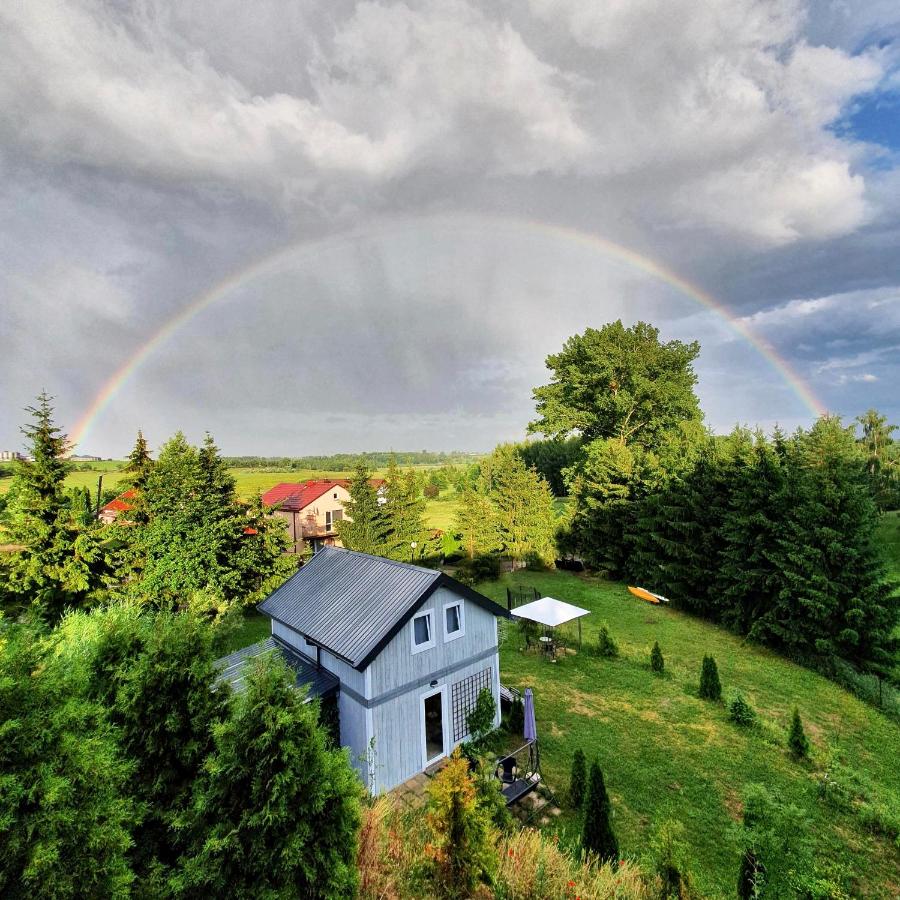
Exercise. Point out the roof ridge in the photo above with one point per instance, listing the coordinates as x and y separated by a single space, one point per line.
393 562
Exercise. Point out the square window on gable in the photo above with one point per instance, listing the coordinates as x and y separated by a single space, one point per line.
454 620
422 632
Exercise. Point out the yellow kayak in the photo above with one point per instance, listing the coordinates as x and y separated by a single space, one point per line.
649 596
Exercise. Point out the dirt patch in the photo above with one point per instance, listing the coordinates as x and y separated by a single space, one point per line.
734 806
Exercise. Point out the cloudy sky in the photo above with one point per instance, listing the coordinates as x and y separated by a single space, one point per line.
326 226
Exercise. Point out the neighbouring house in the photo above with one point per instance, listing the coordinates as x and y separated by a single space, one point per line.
312 509
111 511
403 651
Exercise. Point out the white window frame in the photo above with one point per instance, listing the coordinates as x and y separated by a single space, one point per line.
418 648
330 521
453 635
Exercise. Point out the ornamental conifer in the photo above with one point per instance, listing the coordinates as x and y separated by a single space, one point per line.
597 834
798 742
710 686
657 663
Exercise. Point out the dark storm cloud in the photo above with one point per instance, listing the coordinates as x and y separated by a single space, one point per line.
149 151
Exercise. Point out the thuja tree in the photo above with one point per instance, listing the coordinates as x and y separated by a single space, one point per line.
65 809
153 674
710 686
657 663
597 834
275 813
798 742
462 837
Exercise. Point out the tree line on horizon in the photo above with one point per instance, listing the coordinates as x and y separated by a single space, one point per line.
773 537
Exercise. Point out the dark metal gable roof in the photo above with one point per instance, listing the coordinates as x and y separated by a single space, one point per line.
233 668
353 604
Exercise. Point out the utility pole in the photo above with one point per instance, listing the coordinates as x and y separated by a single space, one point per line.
99 489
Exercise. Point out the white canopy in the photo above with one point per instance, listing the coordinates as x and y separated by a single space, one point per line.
550 612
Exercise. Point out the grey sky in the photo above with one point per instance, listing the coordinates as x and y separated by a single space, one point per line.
427 179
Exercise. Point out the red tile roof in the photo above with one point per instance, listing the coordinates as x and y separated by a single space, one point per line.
120 504
295 497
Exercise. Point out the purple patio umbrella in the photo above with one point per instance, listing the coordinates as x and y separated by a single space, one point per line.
530 724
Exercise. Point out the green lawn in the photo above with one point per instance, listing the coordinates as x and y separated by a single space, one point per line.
668 754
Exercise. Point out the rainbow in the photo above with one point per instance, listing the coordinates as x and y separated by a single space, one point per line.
292 252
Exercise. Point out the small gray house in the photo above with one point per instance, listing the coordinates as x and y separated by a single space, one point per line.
405 650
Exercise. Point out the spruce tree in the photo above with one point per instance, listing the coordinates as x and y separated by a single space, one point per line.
710 686
404 511
597 834
137 471
657 663
798 742
364 526
525 513
54 568
476 522
578 779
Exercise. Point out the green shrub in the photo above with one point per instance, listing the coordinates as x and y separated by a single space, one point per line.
798 742
480 720
740 711
668 857
657 663
515 723
431 491
578 779
710 686
606 646
481 568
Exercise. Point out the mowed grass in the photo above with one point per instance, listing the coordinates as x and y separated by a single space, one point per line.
666 754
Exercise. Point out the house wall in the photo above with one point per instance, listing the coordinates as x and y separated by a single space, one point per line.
397 725
397 665
398 679
384 702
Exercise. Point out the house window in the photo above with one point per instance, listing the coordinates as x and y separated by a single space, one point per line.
422 632
464 694
332 517
454 621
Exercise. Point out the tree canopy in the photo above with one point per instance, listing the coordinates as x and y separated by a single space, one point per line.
618 382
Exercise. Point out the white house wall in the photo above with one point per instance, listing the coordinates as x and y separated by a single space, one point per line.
397 665
397 726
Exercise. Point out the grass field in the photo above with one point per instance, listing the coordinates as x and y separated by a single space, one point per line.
667 754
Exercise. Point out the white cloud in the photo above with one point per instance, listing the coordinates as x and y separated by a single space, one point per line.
716 111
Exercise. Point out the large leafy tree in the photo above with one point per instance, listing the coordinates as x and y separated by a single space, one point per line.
65 808
276 813
618 382
52 570
364 526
